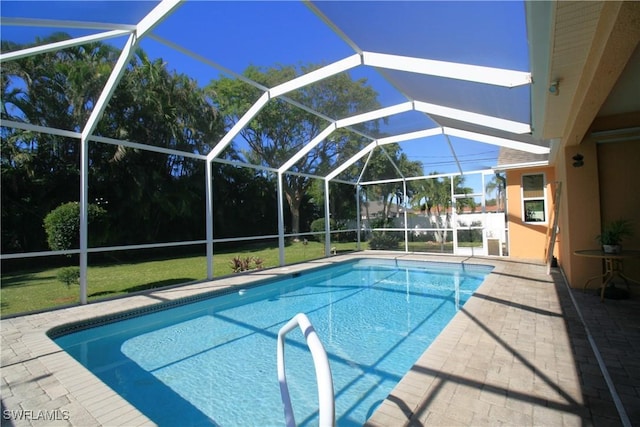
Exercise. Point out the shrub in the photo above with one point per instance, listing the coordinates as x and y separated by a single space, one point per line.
63 225
381 223
383 241
470 236
259 263
317 226
69 275
239 264
345 236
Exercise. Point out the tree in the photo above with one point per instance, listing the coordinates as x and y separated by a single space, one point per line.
281 129
40 171
151 105
380 167
63 226
156 107
497 186
342 200
433 197
244 202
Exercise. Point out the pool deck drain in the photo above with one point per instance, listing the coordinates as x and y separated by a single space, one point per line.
515 354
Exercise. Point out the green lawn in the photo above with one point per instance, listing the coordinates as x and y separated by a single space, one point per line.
38 288
429 247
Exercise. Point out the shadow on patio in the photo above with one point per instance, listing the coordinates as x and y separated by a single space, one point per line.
519 354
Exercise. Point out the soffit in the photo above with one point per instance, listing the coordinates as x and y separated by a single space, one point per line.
595 58
573 33
625 96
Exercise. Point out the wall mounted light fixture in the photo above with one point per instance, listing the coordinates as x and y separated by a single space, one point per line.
578 160
554 87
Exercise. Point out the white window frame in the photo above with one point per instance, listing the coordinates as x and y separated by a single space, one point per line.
543 198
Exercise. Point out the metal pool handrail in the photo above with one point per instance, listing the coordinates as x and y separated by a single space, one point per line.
326 405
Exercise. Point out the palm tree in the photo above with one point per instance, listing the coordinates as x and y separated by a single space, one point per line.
433 196
497 186
379 167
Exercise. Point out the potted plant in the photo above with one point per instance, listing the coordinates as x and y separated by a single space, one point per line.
613 233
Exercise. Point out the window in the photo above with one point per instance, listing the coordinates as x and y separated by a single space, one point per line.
533 198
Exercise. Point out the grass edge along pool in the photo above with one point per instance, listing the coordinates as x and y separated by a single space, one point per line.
211 359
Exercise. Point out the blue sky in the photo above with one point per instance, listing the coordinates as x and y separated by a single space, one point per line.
264 33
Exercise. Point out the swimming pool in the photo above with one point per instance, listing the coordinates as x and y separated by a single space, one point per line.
213 361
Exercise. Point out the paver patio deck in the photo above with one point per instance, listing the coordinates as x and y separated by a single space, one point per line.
516 354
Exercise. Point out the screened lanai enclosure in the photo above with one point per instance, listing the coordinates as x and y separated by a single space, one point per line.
178 128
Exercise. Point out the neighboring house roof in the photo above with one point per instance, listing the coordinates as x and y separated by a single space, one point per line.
375 206
508 156
375 209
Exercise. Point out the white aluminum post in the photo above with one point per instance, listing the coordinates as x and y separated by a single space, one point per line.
208 185
144 26
240 124
367 150
485 246
404 208
454 215
484 193
307 148
327 220
475 118
375 114
280 220
494 140
84 214
453 153
96 113
451 70
52 47
317 75
358 216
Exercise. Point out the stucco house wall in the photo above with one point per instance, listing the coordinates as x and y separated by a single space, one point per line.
606 187
528 240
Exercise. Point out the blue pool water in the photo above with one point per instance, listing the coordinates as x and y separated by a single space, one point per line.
213 362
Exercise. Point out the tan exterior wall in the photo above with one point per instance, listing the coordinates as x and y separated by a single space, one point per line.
619 173
579 213
605 188
527 240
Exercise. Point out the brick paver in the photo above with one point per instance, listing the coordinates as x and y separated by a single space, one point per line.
515 354
519 355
